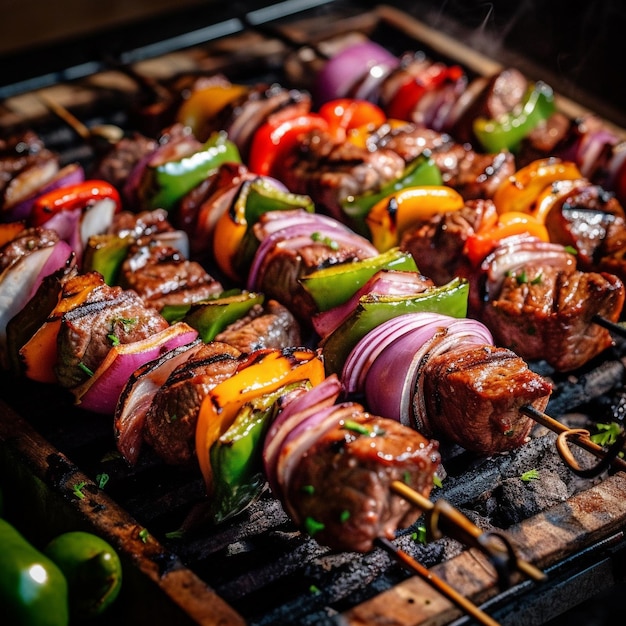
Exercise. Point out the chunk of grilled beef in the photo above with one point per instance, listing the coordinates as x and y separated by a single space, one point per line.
472 174
143 224
472 397
170 423
19 152
269 326
545 313
551 136
343 480
592 221
330 172
118 162
161 275
502 93
29 240
88 331
438 244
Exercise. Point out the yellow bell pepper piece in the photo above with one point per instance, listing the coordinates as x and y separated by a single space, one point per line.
389 218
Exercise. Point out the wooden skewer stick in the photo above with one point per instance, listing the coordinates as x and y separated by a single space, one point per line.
577 436
613 327
106 132
460 527
437 583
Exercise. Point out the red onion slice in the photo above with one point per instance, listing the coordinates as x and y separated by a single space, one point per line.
383 283
101 392
348 67
137 395
298 411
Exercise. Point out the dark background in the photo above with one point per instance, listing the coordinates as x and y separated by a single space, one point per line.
576 46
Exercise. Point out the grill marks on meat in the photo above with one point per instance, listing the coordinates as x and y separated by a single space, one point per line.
270 326
171 419
545 313
342 481
161 275
88 331
472 395
472 174
330 173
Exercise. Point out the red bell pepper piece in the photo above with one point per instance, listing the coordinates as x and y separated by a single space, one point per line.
274 140
76 196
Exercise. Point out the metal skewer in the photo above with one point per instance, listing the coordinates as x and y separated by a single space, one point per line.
613 327
437 583
456 525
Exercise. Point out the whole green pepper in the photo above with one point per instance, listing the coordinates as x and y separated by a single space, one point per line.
422 171
236 456
92 568
373 310
33 590
167 183
507 132
333 285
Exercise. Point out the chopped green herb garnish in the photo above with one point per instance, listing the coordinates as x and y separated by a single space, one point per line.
85 369
607 434
102 480
419 536
314 589
532 474
571 250
521 278
308 489
144 535
537 279
114 339
78 490
327 241
175 534
345 516
357 428
437 481
312 526
126 322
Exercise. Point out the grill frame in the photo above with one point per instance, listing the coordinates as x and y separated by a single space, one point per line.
40 460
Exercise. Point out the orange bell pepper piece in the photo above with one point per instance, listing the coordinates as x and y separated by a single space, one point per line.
345 115
519 191
263 372
39 354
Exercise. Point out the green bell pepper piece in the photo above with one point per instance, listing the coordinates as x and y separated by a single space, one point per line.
508 131
374 309
170 181
211 317
236 457
419 172
257 197
33 590
333 285
105 254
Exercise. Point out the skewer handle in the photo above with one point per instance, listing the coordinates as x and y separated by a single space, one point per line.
580 440
437 583
456 525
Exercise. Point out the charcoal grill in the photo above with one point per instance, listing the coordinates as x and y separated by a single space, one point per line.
257 569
